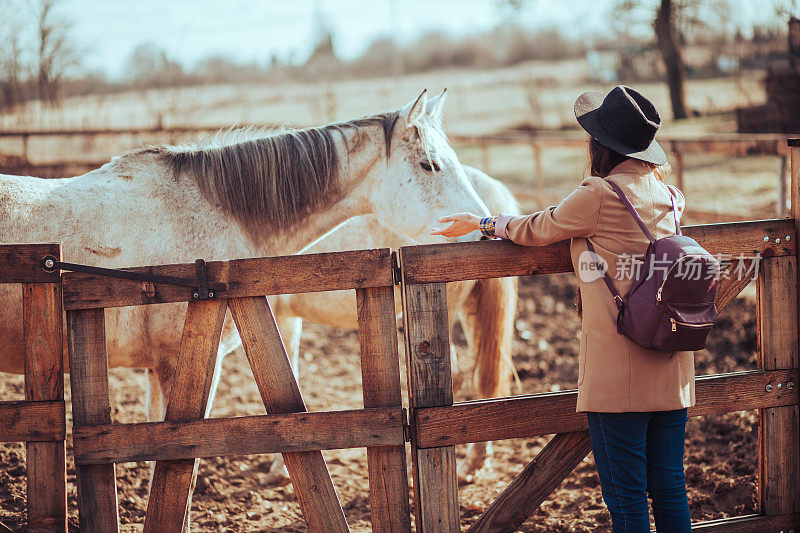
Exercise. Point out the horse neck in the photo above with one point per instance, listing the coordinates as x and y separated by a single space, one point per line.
358 166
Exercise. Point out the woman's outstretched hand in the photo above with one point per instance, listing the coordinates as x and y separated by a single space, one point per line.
461 224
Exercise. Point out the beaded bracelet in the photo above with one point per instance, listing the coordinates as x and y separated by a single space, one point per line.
487 225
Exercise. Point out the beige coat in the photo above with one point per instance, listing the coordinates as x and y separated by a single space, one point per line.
614 373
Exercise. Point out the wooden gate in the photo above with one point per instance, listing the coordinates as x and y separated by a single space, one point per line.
185 435
437 425
39 421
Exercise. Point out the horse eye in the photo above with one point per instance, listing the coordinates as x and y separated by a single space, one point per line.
428 167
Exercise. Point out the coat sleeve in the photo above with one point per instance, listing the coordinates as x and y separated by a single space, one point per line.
576 216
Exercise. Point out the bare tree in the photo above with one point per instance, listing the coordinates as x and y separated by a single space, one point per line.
11 62
55 54
669 45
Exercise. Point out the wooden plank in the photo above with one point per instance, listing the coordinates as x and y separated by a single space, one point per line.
380 370
173 481
729 287
778 428
280 393
88 365
44 381
32 421
554 412
209 437
749 524
730 147
534 484
244 277
489 259
427 339
20 263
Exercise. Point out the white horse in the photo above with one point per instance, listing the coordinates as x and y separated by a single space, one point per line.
262 195
485 309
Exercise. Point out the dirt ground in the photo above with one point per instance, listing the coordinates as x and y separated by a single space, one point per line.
721 454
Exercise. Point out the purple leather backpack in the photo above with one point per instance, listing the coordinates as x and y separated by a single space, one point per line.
671 304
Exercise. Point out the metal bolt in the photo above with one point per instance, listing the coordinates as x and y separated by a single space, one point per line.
768 388
766 238
779 386
195 295
790 385
210 294
777 240
49 263
788 237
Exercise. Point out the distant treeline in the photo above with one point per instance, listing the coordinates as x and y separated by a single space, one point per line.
152 67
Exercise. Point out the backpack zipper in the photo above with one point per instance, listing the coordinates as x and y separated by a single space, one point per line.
666 276
676 322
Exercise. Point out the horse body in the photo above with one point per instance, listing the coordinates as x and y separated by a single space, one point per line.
256 197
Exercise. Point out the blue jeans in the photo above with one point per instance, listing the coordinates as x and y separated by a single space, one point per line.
639 454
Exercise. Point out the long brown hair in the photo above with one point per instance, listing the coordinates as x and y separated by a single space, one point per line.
602 161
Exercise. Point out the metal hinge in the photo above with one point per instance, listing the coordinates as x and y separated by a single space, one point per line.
396 274
203 288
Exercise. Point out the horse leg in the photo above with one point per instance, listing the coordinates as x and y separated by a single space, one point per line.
458 379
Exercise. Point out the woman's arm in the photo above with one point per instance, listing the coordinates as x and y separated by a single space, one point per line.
576 216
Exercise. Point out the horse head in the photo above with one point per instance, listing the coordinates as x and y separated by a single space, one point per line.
422 179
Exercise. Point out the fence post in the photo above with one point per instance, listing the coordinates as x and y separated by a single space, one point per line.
380 370
44 381
88 367
779 450
778 324
427 339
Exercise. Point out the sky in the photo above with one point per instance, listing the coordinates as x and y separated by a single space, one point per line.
107 31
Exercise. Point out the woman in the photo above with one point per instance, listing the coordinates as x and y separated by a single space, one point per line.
635 399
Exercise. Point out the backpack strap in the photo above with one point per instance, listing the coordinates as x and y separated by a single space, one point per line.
606 277
632 210
635 214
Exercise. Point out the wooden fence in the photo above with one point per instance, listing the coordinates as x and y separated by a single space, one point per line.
436 425
39 421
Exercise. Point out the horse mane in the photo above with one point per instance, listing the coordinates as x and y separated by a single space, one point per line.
270 179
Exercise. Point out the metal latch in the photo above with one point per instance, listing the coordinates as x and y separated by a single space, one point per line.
396 274
203 289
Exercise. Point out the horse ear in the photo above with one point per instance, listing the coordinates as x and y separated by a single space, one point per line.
436 104
413 111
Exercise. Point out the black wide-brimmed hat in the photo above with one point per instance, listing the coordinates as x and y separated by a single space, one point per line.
624 120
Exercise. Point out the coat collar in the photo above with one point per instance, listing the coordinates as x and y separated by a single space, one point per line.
632 166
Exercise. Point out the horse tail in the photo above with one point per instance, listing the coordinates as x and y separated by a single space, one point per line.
488 314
